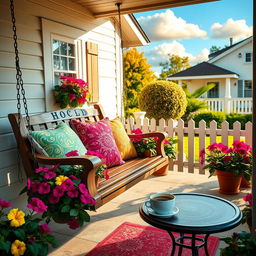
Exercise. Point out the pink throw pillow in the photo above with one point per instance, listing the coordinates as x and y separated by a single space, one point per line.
98 137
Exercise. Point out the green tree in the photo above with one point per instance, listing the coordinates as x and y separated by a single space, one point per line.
137 74
194 105
215 48
174 65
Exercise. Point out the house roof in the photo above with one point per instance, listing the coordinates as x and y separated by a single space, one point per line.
226 50
203 69
103 8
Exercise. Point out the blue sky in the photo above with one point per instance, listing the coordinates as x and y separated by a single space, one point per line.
192 30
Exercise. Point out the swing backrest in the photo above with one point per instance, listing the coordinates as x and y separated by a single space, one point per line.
46 121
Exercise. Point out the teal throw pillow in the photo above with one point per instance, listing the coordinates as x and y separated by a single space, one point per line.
59 141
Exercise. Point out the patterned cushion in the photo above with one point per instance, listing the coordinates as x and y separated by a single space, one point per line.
98 137
123 142
59 141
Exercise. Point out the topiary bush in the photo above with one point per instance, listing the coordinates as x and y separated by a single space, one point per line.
208 116
242 118
163 99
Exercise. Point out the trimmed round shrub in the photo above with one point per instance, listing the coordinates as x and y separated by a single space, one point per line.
242 118
208 116
163 99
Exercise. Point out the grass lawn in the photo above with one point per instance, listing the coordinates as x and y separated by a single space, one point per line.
207 143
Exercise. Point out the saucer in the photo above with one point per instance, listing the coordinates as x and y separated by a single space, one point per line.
162 215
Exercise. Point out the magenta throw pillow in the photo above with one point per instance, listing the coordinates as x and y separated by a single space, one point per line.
98 137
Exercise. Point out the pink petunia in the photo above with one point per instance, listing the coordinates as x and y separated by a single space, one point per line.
83 189
73 193
73 177
4 204
246 159
50 175
166 142
73 224
41 169
81 100
44 229
156 138
44 188
37 205
137 131
53 199
72 96
87 199
106 174
29 183
35 186
69 184
202 156
72 153
137 138
59 191
248 198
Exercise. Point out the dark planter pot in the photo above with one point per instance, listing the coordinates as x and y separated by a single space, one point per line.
62 219
228 182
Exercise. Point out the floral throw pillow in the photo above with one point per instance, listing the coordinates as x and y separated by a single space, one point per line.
98 137
59 141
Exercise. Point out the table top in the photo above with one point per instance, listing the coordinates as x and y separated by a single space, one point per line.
198 213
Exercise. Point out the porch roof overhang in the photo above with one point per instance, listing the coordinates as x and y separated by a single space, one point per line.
103 8
203 77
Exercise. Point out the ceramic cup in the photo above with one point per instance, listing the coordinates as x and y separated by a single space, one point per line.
161 203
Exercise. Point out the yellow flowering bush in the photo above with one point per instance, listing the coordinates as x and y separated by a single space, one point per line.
21 234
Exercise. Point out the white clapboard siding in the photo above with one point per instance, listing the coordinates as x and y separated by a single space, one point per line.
26 61
180 131
33 91
7 141
5 126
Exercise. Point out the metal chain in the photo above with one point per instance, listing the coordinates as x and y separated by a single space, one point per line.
19 83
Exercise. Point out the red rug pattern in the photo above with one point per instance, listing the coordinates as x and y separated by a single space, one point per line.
136 240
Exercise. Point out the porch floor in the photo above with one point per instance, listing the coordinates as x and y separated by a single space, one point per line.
125 208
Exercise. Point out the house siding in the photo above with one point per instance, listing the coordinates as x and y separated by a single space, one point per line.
28 19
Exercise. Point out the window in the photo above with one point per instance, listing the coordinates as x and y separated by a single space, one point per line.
247 88
64 59
244 88
248 57
214 92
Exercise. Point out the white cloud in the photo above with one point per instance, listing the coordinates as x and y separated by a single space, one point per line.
237 29
160 53
166 26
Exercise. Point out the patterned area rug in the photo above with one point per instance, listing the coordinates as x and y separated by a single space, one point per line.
136 240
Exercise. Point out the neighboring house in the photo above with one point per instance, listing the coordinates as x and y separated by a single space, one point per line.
231 70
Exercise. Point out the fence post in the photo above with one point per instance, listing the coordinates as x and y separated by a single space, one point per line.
202 132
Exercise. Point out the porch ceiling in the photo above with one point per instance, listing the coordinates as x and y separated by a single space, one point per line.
106 8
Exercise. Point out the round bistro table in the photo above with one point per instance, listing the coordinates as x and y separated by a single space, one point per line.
198 214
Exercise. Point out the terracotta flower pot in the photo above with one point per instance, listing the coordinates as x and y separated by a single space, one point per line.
245 183
148 154
228 182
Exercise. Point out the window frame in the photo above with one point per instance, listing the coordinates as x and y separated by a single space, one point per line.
247 62
217 86
54 30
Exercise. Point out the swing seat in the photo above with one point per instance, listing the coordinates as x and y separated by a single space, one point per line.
121 177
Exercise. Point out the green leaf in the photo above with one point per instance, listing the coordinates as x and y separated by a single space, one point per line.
84 215
5 246
33 248
65 208
20 234
67 200
73 212
23 190
32 226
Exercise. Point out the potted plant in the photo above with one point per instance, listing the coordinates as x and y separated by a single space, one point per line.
71 92
62 195
247 211
239 244
229 164
21 234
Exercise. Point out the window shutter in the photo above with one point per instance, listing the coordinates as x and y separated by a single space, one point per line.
92 70
240 89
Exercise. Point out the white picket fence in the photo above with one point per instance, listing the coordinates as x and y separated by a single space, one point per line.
228 105
190 134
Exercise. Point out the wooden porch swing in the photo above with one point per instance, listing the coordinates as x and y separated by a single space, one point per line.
121 177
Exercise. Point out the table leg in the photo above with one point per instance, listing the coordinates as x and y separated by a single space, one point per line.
173 243
194 248
205 244
181 241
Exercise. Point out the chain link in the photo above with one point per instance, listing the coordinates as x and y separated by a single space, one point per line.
19 84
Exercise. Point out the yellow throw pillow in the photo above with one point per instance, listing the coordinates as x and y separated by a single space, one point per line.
123 142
